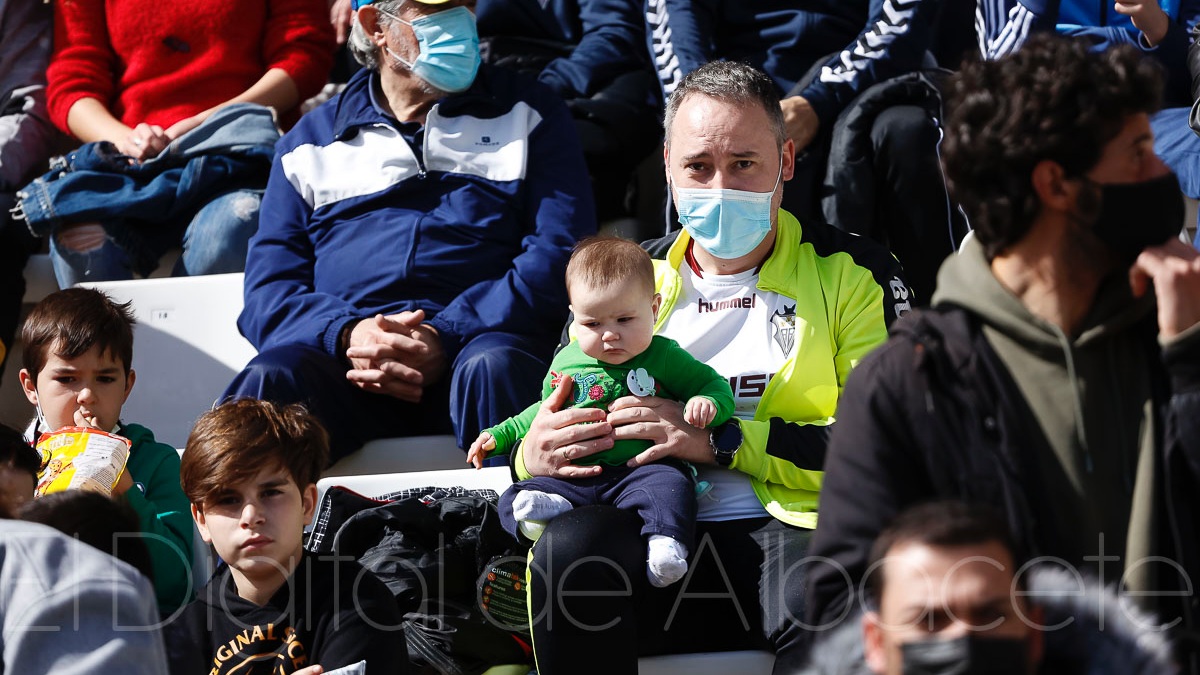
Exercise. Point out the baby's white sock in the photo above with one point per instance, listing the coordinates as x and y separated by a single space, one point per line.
666 560
535 505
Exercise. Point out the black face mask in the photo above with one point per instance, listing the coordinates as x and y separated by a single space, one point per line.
1133 216
966 655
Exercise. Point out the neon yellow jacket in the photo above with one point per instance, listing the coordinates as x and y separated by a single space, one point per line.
842 313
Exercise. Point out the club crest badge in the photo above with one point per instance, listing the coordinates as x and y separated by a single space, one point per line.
640 382
784 326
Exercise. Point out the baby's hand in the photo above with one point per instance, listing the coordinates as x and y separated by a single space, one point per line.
480 448
699 411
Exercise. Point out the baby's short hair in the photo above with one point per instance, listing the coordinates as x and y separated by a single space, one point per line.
233 442
598 262
72 321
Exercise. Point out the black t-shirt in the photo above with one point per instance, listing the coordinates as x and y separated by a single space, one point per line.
330 612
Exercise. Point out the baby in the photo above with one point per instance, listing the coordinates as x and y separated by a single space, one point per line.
615 353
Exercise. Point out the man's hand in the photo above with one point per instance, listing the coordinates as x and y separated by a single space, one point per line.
1147 17
557 437
144 142
395 355
660 421
800 120
1174 269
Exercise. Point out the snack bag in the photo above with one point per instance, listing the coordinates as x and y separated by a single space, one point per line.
80 458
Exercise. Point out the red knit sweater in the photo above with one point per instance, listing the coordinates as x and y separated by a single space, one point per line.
159 62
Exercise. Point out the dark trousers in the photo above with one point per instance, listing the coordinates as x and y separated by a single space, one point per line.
913 214
494 377
593 611
902 202
661 494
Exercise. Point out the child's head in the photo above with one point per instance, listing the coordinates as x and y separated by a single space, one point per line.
611 285
95 519
19 464
250 470
77 353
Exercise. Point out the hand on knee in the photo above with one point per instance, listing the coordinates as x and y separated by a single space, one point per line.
82 237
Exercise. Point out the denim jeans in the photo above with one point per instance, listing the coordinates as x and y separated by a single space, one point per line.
214 242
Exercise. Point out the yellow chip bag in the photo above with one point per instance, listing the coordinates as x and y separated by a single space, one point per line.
81 458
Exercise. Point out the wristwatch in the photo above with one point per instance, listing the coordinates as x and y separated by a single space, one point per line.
726 440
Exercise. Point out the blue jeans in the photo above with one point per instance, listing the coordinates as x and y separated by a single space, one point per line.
214 242
1179 148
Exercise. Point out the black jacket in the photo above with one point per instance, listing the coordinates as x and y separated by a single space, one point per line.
331 612
934 414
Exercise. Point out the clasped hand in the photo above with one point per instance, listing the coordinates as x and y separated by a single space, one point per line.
396 355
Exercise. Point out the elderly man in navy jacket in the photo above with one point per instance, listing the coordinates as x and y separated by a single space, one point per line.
407 275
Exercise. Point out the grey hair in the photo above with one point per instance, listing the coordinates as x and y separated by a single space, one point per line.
365 51
733 82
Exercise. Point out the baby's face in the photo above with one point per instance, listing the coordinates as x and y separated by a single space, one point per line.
615 323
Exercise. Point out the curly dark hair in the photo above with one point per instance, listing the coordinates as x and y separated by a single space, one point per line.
1054 99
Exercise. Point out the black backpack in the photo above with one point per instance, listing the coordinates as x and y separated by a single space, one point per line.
435 549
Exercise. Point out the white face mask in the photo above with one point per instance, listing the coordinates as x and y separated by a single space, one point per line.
726 223
42 424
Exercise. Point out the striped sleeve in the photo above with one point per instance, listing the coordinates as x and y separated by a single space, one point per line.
1002 26
892 42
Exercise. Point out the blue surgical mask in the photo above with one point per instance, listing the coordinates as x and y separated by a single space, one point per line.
449 43
725 222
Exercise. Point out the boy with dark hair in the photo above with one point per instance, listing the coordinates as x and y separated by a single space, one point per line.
250 471
19 464
77 357
615 353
